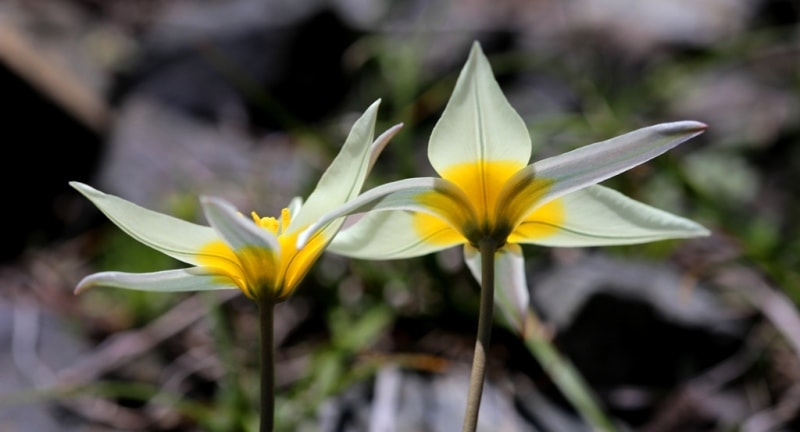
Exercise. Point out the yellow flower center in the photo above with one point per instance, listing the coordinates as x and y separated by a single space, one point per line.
487 217
257 270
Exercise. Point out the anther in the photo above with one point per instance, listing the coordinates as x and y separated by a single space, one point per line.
286 218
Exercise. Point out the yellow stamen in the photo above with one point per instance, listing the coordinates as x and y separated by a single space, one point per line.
286 218
257 270
268 223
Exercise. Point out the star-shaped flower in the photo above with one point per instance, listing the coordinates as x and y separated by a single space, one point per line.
488 192
257 255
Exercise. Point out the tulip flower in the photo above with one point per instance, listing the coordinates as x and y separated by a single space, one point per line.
258 255
490 199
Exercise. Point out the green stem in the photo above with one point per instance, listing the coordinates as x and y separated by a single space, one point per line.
564 375
266 312
487 248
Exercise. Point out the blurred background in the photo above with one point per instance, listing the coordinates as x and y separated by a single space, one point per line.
161 101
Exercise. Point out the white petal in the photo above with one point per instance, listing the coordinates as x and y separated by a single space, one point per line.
345 175
599 216
599 161
238 231
328 230
171 236
399 195
380 143
511 287
295 205
478 123
190 279
383 235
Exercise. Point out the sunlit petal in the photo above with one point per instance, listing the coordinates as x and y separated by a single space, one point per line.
511 287
599 216
599 161
327 233
380 143
174 237
478 123
189 279
345 175
394 235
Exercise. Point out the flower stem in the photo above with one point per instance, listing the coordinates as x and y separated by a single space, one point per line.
487 249
266 312
564 375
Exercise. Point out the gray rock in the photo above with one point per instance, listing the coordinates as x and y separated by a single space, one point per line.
404 401
33 344
562 292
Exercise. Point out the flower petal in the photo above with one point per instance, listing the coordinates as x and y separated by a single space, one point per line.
511 287
428 195
377 147
599 161
345 175
189 279
391 235
295 205
174 237
478 123
599 216
380 143
238 232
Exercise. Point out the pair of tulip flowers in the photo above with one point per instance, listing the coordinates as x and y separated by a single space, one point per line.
487 191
